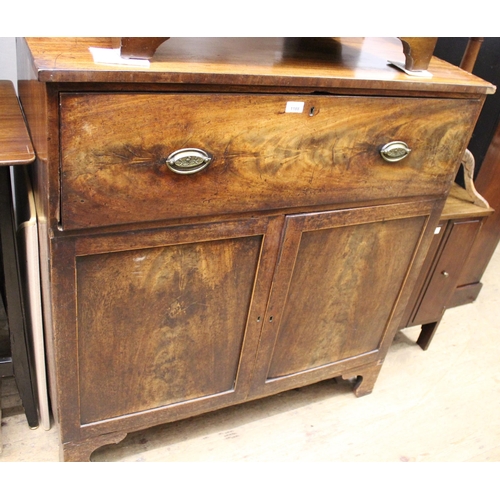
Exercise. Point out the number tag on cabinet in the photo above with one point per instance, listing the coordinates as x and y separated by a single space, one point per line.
294 107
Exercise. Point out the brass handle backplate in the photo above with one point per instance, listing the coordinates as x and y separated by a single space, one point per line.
188 161
395 151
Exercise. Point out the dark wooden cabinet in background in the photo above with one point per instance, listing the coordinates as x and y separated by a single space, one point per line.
288 257
439 279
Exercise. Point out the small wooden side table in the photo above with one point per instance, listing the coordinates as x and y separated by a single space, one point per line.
15 149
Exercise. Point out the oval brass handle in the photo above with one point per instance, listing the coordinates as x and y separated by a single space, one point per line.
188 161
395 151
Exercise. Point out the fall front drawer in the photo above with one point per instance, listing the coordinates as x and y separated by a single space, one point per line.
263 154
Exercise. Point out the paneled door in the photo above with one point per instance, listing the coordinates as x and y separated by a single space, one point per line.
162 322
337 288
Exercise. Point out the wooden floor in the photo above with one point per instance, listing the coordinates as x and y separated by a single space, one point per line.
442 405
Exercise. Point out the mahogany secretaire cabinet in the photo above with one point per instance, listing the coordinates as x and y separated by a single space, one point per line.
239 218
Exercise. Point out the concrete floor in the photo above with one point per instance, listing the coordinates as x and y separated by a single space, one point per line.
442 405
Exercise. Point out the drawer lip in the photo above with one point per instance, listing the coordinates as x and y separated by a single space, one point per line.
326 155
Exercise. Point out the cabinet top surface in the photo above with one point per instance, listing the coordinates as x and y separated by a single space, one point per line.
349 63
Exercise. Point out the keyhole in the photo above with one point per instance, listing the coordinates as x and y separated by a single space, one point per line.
311 111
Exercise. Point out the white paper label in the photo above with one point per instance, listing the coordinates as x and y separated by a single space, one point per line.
112 56
437 230
294 107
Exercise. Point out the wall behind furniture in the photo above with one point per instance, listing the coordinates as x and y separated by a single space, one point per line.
8 69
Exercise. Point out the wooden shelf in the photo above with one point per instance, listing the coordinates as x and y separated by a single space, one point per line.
459 205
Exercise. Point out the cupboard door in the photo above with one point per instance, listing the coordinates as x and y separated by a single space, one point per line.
337 285
443 277
161 320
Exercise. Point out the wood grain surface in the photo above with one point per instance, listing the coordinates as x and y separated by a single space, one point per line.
331 307
15 143
177 310
349 63
160 322
114 148
459 205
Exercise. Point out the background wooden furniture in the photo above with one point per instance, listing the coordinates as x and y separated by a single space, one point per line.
289 259
15 149
485 146
438 286
488 183
454 237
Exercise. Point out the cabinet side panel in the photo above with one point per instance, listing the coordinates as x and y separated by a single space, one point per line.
162 325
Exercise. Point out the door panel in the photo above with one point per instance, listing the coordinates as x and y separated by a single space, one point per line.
161 319
443 281
336 287
339 300
155 326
